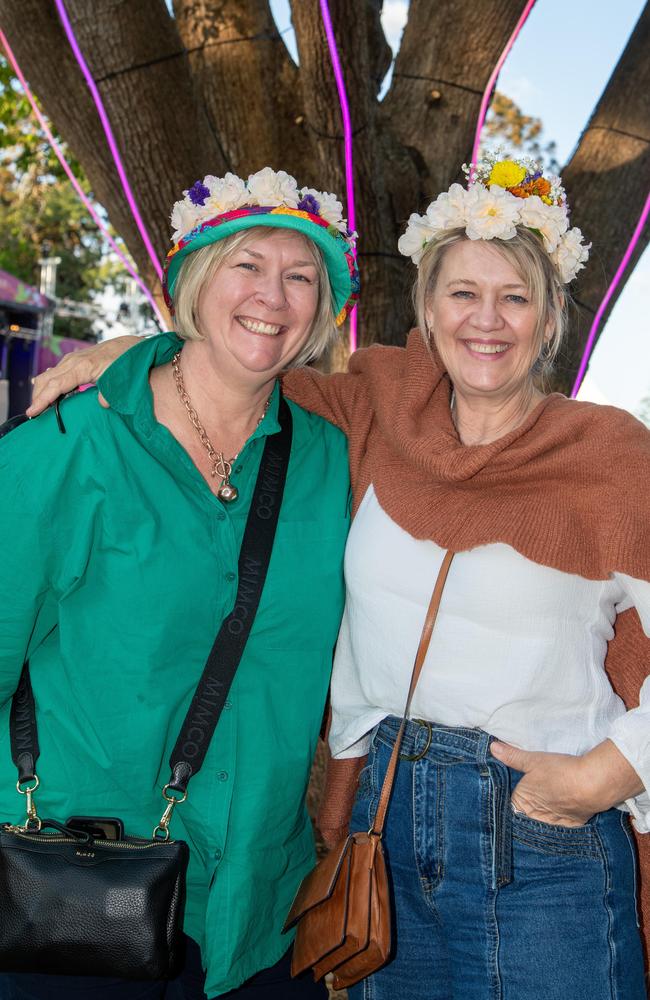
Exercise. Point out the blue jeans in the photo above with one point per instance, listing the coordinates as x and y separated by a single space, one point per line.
488 904
270 984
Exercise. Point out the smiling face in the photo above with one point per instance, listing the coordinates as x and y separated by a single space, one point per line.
483 322
257 311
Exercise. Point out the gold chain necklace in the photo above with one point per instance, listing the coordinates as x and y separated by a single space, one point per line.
221 466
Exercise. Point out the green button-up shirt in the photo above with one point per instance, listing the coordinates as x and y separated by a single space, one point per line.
118 566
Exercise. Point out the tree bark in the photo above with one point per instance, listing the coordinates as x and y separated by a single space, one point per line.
607 185
247 83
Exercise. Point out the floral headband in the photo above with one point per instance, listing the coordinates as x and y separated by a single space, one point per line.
501 195
217 207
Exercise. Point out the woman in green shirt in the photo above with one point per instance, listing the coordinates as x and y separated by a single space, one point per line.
120 551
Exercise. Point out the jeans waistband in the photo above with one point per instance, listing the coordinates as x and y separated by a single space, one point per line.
443 743
450 745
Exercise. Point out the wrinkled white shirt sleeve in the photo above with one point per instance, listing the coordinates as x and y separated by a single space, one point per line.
630 733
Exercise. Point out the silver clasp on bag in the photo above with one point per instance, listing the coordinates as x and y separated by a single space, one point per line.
32 821
161 832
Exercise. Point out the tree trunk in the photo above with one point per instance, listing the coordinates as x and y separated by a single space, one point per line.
607 185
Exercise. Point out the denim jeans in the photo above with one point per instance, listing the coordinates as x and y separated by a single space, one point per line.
270 984
488 904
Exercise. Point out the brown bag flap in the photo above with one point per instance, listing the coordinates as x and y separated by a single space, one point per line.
371 958
323 929
320 883
359 906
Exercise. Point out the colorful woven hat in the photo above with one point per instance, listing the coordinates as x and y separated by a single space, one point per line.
217 207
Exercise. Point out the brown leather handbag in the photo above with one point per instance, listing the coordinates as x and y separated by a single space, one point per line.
342 907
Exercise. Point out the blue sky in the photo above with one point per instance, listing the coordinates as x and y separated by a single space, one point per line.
557 70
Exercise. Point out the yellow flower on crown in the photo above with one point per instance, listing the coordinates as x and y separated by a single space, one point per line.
507 174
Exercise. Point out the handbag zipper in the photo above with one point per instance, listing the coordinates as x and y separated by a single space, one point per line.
44 838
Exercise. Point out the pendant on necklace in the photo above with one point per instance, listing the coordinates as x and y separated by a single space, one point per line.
227 492
222 468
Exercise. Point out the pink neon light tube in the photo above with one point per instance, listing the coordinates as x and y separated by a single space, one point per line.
347 141
58 152
110 138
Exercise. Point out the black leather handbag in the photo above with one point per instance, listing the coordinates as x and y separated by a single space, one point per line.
72 903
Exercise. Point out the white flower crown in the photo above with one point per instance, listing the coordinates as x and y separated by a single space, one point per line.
214 196
501 195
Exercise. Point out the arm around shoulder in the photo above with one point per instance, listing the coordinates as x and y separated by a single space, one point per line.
334 397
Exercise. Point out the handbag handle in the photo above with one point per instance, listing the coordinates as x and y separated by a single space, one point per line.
427 629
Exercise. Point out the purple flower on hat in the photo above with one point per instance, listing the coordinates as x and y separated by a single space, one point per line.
198 193
309 204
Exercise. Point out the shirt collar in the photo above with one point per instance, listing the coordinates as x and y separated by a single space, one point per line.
125 384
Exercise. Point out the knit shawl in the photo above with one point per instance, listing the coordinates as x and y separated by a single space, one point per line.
569 488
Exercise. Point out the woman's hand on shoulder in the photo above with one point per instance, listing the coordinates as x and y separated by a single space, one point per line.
75 369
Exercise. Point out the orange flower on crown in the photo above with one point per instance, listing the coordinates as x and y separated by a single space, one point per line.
540 186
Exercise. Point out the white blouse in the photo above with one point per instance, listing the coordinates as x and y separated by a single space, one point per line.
517 649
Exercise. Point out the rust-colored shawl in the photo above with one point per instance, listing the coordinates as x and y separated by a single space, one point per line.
569 488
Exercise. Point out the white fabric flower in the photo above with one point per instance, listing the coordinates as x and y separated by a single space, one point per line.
331 208
412 243
549 220
267 187
226 194
448 210
491 213
571 254
184 218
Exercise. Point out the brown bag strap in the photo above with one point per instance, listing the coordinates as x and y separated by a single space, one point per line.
425 638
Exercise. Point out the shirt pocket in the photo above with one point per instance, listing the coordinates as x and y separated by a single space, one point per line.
304 589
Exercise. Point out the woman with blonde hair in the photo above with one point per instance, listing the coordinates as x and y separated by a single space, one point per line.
121 563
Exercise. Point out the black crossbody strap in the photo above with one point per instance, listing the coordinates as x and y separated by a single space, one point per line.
23 734
210 696
212 690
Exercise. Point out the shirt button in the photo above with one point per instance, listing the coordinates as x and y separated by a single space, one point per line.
222 775
218 854
227 704
238 468
230 577
221 515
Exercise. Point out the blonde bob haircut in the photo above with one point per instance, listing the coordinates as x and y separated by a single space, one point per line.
200 267
526 253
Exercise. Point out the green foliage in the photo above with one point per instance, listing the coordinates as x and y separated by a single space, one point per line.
507 123
40 211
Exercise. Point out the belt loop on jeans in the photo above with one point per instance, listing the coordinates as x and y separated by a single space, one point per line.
500 823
